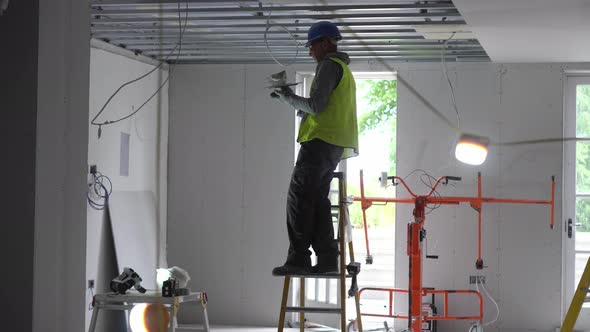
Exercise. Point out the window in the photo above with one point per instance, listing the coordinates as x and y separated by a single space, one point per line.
576 189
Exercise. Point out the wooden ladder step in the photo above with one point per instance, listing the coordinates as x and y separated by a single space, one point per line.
343 268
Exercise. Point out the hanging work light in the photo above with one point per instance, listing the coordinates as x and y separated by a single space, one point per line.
472 149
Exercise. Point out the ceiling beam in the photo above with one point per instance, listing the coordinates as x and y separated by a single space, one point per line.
258 9
100 19
157 2
241 32
356 48
234 2
168 43
301 25
244 31
344 25
271 40
351 53
368 56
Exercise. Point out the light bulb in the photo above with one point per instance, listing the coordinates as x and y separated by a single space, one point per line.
472 149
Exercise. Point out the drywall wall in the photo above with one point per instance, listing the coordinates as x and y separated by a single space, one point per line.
505 103
230 159
18 91
231 154
60 170
129 152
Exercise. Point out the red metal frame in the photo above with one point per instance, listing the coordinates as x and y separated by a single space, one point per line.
416 234
444 316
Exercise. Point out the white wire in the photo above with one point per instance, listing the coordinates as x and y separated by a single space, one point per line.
170 72
492 299
268 26
445 72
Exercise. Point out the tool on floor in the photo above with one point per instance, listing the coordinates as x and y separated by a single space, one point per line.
353 270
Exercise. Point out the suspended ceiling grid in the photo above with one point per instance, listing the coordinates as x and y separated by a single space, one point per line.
213 31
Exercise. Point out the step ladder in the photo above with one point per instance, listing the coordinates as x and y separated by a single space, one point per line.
352 270
580 296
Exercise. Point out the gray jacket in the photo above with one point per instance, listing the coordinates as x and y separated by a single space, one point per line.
327 77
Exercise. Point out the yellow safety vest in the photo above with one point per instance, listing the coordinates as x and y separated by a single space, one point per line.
337 123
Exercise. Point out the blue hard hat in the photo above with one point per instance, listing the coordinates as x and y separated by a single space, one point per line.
322 29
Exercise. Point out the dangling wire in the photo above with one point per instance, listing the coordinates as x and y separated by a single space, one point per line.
492 299
268 26
170 72
101 188
446 74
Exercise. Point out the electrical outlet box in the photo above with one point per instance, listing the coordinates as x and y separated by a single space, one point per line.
91 283
474 279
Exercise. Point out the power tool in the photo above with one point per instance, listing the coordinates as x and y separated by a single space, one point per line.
129 278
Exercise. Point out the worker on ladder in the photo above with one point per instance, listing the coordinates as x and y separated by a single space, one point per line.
328 133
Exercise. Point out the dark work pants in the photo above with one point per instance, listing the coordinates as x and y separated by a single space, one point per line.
309 219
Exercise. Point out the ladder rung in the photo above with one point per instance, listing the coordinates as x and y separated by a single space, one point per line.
314 309
586 299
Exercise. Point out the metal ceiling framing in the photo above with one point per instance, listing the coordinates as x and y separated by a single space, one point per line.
221 31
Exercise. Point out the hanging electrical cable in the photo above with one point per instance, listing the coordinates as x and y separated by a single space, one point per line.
101 188
282 27
491 299
446 74
495 303
170 72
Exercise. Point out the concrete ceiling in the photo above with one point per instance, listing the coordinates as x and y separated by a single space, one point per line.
530 30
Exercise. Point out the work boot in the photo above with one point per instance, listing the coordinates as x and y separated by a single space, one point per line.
326 264
286 269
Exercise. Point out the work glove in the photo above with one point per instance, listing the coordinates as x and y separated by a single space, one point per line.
284 94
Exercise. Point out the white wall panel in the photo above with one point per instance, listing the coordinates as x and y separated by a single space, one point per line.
522 103
206 179
108 72
231 155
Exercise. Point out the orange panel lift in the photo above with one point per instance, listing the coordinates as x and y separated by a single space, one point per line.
416 234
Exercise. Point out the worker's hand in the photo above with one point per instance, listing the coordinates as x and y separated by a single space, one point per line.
287 90
283 94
